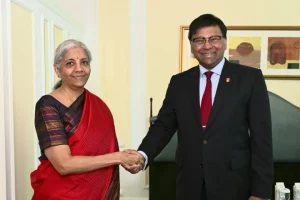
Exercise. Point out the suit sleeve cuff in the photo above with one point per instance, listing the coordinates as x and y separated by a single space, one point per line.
145 157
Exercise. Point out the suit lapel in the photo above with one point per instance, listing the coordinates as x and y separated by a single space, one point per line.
194 94
225 90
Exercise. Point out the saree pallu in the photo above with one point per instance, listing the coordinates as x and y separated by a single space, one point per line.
95 135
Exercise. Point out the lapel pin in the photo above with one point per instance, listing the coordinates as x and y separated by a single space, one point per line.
227 80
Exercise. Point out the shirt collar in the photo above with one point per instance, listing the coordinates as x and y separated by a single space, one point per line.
217 69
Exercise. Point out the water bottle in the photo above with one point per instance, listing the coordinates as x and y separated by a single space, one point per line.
278 186
296 191
284 194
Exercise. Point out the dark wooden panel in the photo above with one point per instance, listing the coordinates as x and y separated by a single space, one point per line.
163 178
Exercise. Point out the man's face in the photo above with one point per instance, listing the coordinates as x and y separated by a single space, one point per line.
208 46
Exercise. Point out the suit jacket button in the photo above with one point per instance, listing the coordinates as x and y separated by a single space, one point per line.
204 142
201 166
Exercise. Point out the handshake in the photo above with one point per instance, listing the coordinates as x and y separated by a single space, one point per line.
132 161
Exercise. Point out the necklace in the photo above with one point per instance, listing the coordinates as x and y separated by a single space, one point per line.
68 100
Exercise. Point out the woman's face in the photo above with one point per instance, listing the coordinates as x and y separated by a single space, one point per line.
74 68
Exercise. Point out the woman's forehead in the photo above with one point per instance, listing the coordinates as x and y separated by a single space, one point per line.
76 52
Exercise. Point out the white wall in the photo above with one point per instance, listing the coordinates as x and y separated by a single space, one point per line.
2 116
122 43
163 35
86 13
7 178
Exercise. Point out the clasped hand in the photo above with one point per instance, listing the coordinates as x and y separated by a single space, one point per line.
132 161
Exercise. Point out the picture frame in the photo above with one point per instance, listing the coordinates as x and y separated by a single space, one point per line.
273 49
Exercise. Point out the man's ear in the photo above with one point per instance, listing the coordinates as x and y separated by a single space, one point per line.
57 70
192 51
225 43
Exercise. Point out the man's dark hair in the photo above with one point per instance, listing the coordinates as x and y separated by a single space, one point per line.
205 21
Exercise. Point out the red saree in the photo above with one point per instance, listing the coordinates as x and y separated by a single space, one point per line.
95 135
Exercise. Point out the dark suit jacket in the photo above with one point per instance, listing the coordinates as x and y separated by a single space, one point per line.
233 163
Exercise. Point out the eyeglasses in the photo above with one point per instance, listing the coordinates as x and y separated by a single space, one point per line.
200 41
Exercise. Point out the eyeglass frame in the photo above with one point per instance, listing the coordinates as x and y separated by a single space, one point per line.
207 40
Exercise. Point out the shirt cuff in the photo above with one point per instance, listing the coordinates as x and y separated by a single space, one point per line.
145 157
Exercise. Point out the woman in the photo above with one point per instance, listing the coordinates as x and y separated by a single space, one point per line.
79 150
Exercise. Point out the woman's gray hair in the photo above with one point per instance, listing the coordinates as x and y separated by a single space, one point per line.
65 46
61 51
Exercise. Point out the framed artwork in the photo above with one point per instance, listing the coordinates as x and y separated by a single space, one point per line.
273 49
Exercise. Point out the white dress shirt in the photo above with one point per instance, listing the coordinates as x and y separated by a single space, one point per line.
214 80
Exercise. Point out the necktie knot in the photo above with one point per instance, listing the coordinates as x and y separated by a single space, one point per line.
208 74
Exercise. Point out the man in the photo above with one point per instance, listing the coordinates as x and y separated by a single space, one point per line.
221 113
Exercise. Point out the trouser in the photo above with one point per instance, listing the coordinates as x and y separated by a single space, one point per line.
203 192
